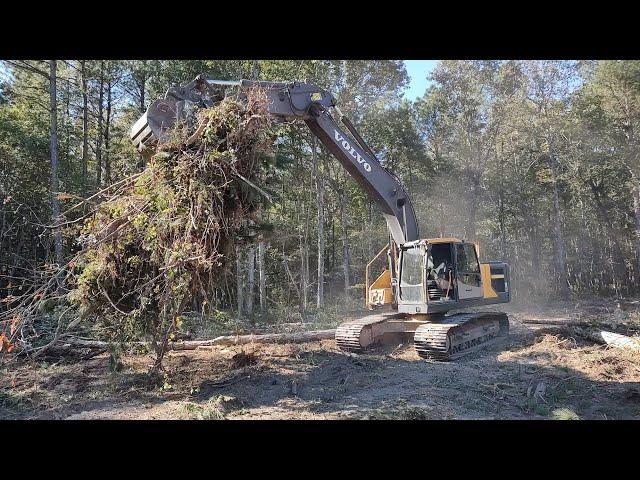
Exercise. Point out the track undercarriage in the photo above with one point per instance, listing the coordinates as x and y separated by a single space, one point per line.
435 337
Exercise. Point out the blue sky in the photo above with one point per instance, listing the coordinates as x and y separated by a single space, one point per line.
418 70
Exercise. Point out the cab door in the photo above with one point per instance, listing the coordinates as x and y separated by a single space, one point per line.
412 274
468 278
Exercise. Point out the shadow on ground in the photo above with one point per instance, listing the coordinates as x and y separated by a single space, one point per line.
515 378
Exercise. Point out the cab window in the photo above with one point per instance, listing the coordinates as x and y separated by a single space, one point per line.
468 269
467 259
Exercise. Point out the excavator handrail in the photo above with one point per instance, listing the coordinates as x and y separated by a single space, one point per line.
366 274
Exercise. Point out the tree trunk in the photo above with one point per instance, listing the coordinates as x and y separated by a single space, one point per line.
473 209
55 202
85 127
262 278
292 281
345 245
503 229
636 215
142 88
442 218
533 277
306 253
501 201
255 70
332 242
107 159
64 129
320 205
99 138
141 81
304 275
239 281
3 235
251 266
558 237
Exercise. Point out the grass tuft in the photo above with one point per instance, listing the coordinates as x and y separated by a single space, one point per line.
564 414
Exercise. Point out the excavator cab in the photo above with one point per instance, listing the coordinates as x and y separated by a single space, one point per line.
436 275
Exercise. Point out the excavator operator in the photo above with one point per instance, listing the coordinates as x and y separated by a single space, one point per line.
441 274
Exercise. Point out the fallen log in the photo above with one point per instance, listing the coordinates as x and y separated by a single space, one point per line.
554 321
225 340
612 339
298 337
81 343
84 349
620 341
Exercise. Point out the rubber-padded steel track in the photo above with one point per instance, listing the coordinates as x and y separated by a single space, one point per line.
458 334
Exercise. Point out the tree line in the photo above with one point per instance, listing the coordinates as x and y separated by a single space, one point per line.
537 161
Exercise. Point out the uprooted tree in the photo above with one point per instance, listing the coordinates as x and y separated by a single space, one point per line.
166 233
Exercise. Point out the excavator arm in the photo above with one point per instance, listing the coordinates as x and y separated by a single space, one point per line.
293 101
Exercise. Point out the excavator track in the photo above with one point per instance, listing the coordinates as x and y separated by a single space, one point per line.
356 335
459 334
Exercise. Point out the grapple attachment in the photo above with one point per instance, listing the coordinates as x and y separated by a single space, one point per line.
286 101
179 103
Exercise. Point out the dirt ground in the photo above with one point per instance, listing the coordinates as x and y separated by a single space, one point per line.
537 372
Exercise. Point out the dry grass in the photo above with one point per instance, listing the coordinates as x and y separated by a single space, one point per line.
594 361
565 414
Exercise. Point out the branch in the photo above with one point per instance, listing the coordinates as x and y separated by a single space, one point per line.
22 64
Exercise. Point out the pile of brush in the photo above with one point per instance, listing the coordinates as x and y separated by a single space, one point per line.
164 238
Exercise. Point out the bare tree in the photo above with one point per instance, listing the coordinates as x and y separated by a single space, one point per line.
320 206
85 125
345 247
55 202
239 281
251 267
262 277
107 157
99 137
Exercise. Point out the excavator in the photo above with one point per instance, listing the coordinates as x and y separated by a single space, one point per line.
423 278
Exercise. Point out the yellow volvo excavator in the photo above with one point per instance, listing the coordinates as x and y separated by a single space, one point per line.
434 276
423 279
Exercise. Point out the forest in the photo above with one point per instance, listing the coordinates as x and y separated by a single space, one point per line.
536 161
